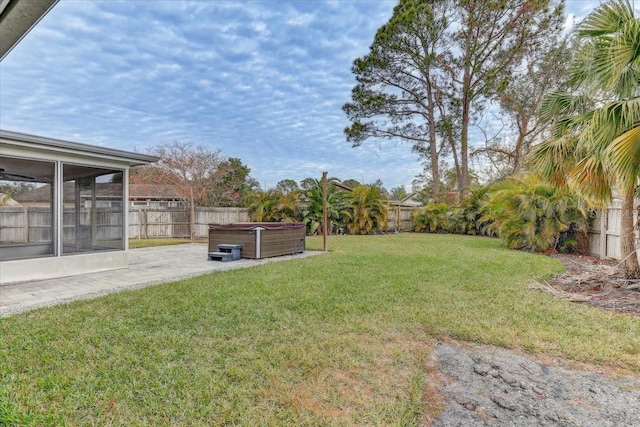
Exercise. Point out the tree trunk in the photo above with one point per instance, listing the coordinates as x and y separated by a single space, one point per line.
628 237
433 150
449 139
519 150
431 106
463 185
435 173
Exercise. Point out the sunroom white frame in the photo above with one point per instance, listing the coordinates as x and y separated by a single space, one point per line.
20 145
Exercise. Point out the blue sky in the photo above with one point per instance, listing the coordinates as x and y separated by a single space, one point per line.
263 81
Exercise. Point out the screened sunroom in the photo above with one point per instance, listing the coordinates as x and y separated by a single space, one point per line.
63 207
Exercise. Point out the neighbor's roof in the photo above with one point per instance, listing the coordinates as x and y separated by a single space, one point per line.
17 18
407 202
58 145
341 186
154 191
104 190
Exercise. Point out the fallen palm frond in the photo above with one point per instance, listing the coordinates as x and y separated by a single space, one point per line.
598 280
632 285
546 287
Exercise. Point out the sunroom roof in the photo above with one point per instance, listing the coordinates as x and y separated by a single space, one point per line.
17 17
9 138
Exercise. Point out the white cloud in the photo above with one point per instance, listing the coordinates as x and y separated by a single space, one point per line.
300 19
263 81
260 27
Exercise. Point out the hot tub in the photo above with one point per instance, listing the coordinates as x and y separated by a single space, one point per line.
260 239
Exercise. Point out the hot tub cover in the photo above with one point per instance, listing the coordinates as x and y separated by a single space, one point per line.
250 226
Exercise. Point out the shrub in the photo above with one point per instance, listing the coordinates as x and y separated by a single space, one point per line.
312 212
367 211
530 214
433 218
525 212
469 216
275 206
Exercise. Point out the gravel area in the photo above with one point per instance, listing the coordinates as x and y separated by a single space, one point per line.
488 386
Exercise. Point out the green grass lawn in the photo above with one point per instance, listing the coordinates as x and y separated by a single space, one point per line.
337 339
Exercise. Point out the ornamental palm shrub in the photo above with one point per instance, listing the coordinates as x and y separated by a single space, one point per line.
465 218
528 213
289 206
336 204
312 211
433 218
263 206
455 220
469 216
275 206
367 210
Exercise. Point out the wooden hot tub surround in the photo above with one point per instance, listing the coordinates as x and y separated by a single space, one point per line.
260 239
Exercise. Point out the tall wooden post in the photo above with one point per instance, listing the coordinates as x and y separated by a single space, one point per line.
324 211
192 217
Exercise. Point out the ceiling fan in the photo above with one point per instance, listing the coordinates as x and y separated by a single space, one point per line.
14 176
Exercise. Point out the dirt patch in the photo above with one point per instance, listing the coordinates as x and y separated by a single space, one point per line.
488 386
595 282
481 385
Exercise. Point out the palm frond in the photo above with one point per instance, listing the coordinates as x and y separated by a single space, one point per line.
609 57
625 59
552 159
624 153
609 121
606 19
558 104
590 179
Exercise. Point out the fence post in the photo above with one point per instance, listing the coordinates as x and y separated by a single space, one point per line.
324 211
26 228
603 232
146 227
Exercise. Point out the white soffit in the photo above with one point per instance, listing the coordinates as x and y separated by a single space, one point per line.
17 18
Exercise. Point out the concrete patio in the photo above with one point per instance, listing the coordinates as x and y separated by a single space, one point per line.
148 266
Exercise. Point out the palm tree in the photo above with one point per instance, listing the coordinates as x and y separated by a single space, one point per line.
275 206
263 206
595 141
433 218
288 206
368 210
530 214
312 213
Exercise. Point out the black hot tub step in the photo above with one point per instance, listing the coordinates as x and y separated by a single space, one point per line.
221 256
235 250
225 247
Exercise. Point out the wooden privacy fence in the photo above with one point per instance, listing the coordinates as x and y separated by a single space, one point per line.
149 223
33 224
604 234
399 218
23 225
